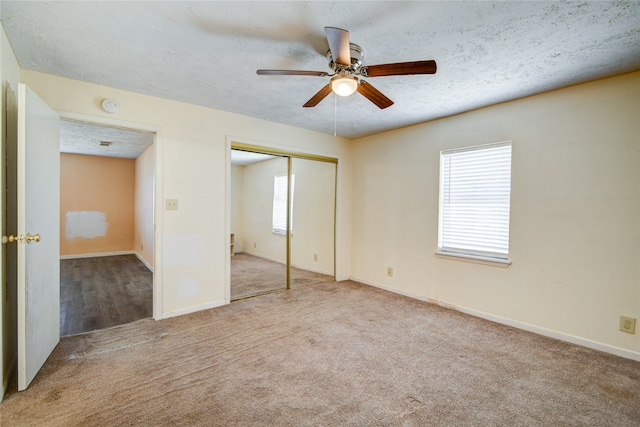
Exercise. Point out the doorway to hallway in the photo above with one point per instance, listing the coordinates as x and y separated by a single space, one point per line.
106 226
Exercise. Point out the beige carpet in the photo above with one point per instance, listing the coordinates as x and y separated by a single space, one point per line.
330 354
252 275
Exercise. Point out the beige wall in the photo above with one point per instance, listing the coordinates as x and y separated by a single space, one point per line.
96 204
575 213
144 218
191 268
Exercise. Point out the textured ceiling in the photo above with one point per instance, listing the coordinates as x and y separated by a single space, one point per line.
206 53
85 138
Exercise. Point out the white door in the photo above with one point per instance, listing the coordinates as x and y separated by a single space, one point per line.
37 234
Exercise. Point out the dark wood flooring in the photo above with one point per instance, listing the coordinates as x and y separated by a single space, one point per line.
98 293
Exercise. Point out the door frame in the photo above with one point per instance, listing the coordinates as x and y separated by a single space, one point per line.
157 193
291 152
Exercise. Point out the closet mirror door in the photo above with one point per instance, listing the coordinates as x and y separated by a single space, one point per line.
313 222
258 244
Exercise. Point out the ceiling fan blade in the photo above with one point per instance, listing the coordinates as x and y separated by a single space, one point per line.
339 45
400 69
315 99
374 95
291 73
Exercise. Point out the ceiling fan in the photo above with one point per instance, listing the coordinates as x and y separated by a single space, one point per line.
345 59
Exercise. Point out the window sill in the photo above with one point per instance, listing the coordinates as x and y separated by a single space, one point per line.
495 262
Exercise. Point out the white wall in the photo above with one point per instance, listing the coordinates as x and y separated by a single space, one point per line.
143 217
575 213
193 167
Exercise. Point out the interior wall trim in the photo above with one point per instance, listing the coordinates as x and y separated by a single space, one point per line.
97 254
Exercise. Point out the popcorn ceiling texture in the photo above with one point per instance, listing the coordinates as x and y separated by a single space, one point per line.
84 138
206 53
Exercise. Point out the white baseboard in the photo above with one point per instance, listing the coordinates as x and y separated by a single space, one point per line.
192 309
279 261
142 260
284 262
584 342
99 254
313 270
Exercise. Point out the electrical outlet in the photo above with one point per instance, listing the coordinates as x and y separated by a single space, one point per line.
315 257
390 271
141 247
254 245
628 324
171 204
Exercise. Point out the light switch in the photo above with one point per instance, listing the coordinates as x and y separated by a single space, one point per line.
171 204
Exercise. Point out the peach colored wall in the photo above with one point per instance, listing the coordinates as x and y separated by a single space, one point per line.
97 196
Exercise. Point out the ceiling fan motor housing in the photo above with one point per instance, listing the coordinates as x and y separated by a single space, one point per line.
357 56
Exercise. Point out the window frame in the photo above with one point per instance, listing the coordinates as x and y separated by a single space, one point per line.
280 201
462 252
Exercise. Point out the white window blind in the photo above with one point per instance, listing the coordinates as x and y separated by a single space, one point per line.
280 203
475 190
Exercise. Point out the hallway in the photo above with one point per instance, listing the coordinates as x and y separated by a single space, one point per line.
102 292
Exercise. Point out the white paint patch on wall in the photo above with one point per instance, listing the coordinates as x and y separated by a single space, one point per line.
85 224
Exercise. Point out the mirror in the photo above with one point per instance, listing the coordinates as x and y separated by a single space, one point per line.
258 255
259 200
313 229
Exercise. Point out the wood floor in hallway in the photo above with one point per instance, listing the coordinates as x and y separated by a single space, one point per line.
102 292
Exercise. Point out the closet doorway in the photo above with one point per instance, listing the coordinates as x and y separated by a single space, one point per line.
282 220
106 226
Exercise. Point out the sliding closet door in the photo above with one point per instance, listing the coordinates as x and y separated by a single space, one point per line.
313 222
258 224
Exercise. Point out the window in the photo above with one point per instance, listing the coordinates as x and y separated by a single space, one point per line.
475 190
280 203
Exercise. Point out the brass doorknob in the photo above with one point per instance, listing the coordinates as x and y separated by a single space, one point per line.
12 239
34 238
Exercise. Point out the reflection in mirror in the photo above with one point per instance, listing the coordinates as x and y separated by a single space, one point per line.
312 239
258 254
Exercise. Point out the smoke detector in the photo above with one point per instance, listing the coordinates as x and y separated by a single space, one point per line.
110 106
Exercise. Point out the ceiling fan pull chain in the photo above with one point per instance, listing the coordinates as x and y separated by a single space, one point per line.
335 114
352 107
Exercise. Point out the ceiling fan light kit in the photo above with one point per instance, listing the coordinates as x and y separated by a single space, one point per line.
344 85
345 59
